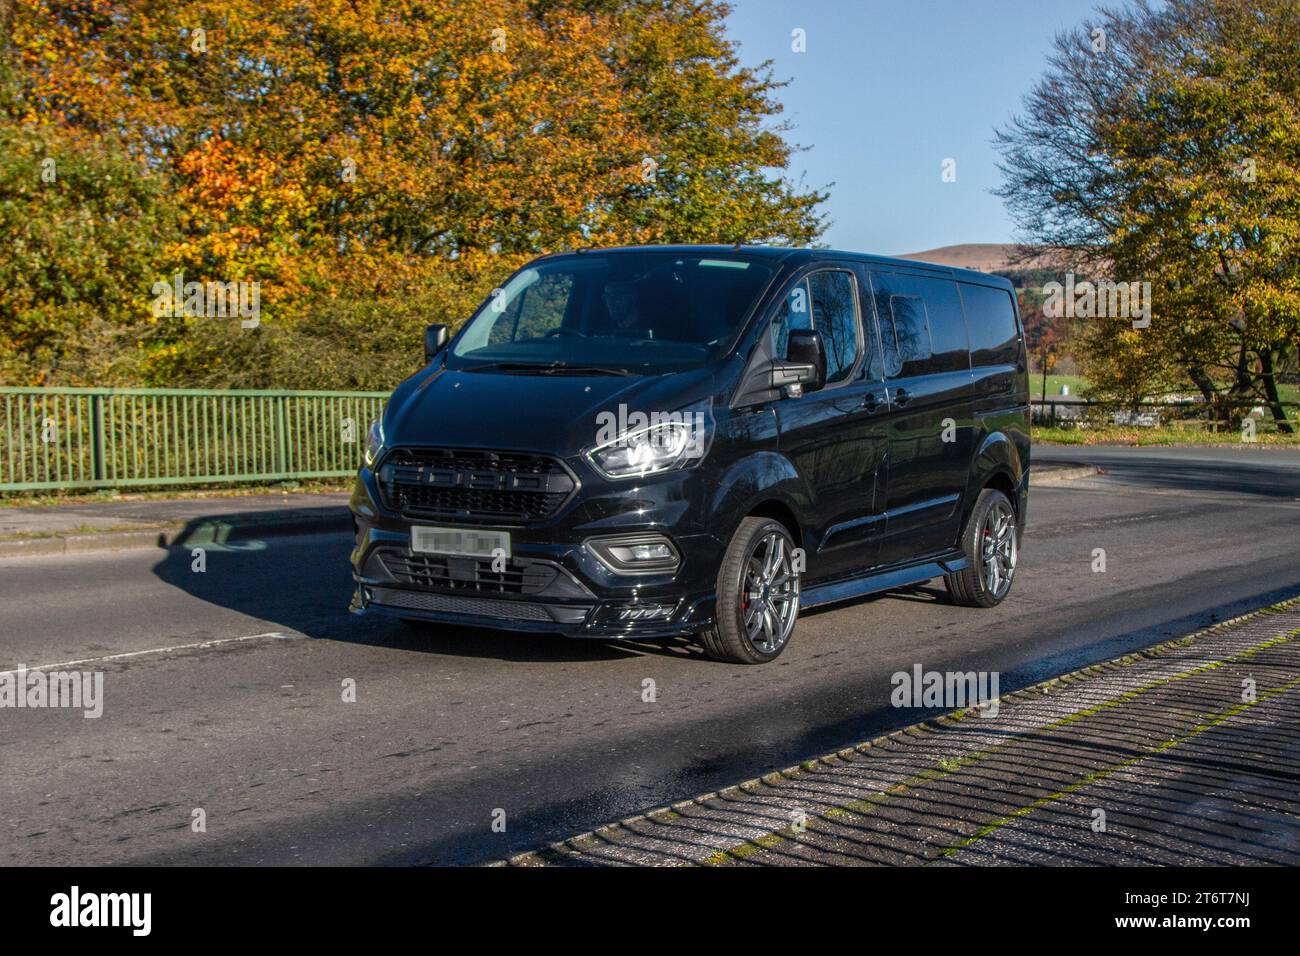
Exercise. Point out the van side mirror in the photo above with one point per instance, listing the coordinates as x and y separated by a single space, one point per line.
435 338
804 369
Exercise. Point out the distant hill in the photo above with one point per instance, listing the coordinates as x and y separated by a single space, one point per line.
980 256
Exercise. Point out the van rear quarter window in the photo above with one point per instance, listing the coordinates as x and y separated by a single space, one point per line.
991 316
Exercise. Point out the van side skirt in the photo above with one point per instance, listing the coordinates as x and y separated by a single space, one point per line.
897 577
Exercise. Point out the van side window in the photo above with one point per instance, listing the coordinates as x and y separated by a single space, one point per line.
921 324
835 313
994 339
824 301
906 332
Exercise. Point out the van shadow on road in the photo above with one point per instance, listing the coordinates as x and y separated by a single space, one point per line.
303 584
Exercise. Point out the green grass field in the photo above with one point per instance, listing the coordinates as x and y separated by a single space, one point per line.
1173 434
1054 383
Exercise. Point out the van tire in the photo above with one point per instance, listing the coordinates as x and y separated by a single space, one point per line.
993 513
729 639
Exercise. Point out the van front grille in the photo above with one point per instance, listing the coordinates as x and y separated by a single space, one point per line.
481 607
470 575
468 485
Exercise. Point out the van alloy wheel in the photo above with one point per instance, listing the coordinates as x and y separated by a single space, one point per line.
998 549
757 597
769 601
990 540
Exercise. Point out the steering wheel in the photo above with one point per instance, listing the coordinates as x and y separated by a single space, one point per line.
563 330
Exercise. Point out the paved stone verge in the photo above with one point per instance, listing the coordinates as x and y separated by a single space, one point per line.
1185 753
1061 471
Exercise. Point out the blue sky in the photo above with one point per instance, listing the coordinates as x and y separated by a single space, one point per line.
889 89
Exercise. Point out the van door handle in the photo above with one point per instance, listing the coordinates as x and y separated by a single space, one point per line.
900 396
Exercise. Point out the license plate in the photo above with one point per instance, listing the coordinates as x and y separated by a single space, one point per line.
462 542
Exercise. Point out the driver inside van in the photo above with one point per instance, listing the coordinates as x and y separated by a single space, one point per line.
621 304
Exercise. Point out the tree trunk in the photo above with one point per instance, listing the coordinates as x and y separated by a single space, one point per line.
1205 385
1266 357
1240 397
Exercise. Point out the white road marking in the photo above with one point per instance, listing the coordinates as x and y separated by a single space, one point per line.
201 645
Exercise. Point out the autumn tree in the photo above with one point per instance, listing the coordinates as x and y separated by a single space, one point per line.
1045 335
1163 145
84 227
394 158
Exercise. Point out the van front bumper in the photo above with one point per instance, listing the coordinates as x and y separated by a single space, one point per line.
602 619
553 581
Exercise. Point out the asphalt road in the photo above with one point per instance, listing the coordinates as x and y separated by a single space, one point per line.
450 726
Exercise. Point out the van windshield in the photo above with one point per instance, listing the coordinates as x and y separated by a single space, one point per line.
626 313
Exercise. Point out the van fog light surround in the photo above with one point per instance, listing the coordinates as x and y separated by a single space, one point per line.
636 553
644 612
621 615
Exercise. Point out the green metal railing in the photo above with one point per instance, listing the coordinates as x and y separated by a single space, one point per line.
121 437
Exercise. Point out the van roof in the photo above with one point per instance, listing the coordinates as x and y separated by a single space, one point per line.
795 256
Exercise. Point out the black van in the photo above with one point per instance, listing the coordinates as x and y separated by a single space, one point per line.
700 440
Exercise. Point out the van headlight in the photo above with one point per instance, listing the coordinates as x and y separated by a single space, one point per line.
374 442
668 442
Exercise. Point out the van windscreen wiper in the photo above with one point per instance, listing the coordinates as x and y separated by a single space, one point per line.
564 368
